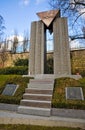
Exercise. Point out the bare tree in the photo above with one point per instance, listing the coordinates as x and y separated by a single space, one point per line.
2 27
25 42
3 55
0 45
75 11
15 42
83 30
75 6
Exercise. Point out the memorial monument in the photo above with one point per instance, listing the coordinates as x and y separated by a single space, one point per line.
57 25
37 99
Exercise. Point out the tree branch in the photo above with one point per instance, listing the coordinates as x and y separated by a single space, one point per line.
77 18
77 37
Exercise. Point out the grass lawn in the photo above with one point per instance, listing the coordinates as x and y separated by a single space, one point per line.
58 100
29 127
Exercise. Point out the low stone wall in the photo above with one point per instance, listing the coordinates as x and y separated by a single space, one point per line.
13 57
77 59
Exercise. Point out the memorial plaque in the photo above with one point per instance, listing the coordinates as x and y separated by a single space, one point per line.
74 93
10 89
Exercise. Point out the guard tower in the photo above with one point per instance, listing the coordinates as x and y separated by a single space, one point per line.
57 25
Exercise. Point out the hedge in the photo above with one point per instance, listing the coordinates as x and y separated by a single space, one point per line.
15 79
21 62
19 70
59 94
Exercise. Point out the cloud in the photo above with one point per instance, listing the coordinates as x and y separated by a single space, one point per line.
39 1
24 2
11 38
10 41
75 44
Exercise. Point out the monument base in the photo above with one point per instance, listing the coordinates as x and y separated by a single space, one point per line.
52 76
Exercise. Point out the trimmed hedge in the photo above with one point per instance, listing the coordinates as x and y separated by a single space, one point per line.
15 79
19 70
33 127
59 98
21 62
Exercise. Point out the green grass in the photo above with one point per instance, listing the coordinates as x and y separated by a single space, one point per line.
16 79
30 127
59 99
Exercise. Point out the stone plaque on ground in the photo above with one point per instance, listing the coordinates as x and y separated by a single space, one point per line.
74 93
10 89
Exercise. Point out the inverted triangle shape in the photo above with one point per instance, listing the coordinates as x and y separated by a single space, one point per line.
48 16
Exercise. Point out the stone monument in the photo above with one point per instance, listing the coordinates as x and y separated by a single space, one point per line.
38 97
57 25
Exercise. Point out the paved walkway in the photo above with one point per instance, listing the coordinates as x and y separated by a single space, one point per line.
7 117
12 117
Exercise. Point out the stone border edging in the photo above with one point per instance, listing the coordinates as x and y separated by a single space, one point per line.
14 118
8 107
68 113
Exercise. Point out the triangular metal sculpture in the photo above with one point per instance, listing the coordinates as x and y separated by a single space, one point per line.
48 16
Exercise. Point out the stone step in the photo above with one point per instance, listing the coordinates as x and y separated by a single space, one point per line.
42 81
45 76
34 111
41 86
41 97
38 91
37 98
36 103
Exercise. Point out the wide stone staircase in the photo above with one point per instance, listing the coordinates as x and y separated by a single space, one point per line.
37 98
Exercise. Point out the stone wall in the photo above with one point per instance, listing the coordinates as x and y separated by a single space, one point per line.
13 57
77 59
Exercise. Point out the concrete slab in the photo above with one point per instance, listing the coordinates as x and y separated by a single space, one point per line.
42 97
38 91
40 86
34 111
56 112
53 76
14 118
9 107
68 113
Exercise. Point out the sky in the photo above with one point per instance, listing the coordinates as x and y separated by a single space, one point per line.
18 14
